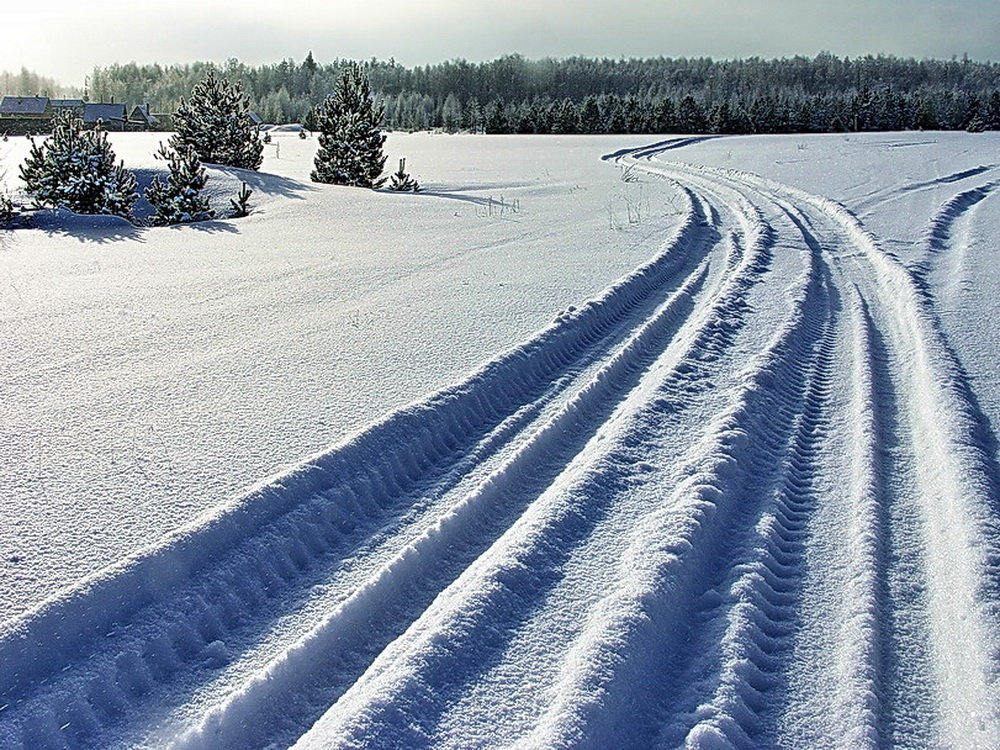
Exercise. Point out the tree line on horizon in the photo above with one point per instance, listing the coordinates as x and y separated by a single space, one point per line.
512 94
29 83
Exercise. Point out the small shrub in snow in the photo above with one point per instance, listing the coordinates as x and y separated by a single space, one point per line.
241 203
976 124
8 211
75 169
179 200
402 181
350 141
216 123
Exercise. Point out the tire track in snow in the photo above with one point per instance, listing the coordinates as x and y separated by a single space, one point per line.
455 516
554 445
838 538
916 705
409 672
278 699
743 643
951 528
98 657
881 197
954 509
785 409
939 239
641 624
759 594
767 563
904 659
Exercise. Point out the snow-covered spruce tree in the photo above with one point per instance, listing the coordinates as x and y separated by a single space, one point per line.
216 123
402 181
350 141
75 169
179 200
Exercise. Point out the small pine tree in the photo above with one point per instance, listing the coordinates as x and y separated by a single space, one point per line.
75 169
216 123
241 203
472 116
350 141
565 117
691 116
402 181
309 121
976 124
8 211
179 200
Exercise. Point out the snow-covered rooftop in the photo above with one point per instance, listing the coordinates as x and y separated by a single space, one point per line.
24 105
94 111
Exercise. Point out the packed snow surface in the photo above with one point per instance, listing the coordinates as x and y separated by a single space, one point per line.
596 442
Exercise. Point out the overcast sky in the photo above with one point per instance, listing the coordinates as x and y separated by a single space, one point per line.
65 39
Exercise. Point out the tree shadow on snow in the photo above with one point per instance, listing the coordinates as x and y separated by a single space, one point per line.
492 206
497 200
478 200
266 183
214 226
100 230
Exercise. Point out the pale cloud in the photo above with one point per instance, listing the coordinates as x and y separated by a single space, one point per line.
66 39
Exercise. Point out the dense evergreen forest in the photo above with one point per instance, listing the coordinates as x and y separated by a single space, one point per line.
581 95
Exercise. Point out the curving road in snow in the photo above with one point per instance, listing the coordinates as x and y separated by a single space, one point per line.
740 499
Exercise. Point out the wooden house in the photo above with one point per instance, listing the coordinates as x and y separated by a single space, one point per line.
111 116
141 118
76 105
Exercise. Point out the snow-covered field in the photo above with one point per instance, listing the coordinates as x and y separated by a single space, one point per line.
539 456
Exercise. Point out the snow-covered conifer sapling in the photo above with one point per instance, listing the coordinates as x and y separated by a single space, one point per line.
179 200
241 203
75 169
350 140
402 181
216 123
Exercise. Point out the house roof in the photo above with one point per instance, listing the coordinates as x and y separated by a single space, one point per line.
141 112
254 118
74 103
24 105
94 111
